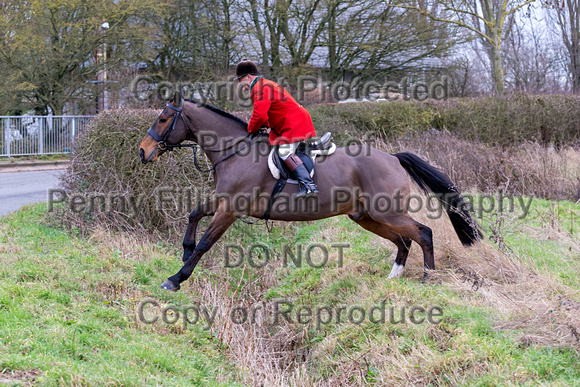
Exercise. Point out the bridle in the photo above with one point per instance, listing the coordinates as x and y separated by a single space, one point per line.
162 141
164 146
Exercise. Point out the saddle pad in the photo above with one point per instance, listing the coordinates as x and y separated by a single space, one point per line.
276 172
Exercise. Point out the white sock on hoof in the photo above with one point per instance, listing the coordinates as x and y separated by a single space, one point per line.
397 270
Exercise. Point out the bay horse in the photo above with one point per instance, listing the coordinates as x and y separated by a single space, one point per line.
360 184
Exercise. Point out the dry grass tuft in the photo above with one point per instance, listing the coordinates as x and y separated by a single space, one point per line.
266 354
528 299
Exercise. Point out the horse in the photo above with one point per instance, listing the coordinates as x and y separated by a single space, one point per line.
350 181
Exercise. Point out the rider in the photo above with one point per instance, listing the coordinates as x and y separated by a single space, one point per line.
290 123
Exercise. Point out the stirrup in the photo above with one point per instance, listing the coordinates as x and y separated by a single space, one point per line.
307 190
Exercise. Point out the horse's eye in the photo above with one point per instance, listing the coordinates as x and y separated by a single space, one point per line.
163 120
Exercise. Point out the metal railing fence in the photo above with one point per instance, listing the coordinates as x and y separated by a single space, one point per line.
39 135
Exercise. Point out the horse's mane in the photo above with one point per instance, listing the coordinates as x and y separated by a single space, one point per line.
218 111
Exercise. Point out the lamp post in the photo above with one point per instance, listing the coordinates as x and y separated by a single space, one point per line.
101 74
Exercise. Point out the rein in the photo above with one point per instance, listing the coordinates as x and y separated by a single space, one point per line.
162 141
195 147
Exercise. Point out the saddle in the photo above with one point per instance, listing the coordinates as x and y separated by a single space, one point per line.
308 150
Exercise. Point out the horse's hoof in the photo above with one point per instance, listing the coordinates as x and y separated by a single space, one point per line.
426 278
396 271
168 285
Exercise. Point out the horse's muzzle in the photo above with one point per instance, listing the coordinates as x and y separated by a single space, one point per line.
150 158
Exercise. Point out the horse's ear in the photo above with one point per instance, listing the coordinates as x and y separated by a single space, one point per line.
177 99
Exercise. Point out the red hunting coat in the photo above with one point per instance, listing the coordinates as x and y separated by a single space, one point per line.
275 107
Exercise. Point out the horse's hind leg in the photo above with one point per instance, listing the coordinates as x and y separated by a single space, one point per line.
408 227
403 244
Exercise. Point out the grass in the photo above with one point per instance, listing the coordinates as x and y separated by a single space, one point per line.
68 307
466 338
549 236
51 157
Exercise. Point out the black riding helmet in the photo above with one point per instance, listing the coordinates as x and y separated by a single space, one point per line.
246 67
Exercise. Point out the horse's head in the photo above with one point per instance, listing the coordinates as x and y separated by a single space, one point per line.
168 129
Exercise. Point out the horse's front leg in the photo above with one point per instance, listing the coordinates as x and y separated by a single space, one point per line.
206 209
220 222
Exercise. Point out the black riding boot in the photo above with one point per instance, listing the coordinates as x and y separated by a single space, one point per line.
298 169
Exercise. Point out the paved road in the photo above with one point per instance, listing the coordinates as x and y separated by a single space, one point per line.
20 188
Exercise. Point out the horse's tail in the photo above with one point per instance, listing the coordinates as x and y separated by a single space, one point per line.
429 178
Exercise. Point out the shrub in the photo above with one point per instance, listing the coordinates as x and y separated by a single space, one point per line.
105 162
387 120
505 121
512 120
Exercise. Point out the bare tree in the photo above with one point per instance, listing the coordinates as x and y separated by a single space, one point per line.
197 40
531 61
265 25
566 14
489 20
372 39
360 36
463 76
303 23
